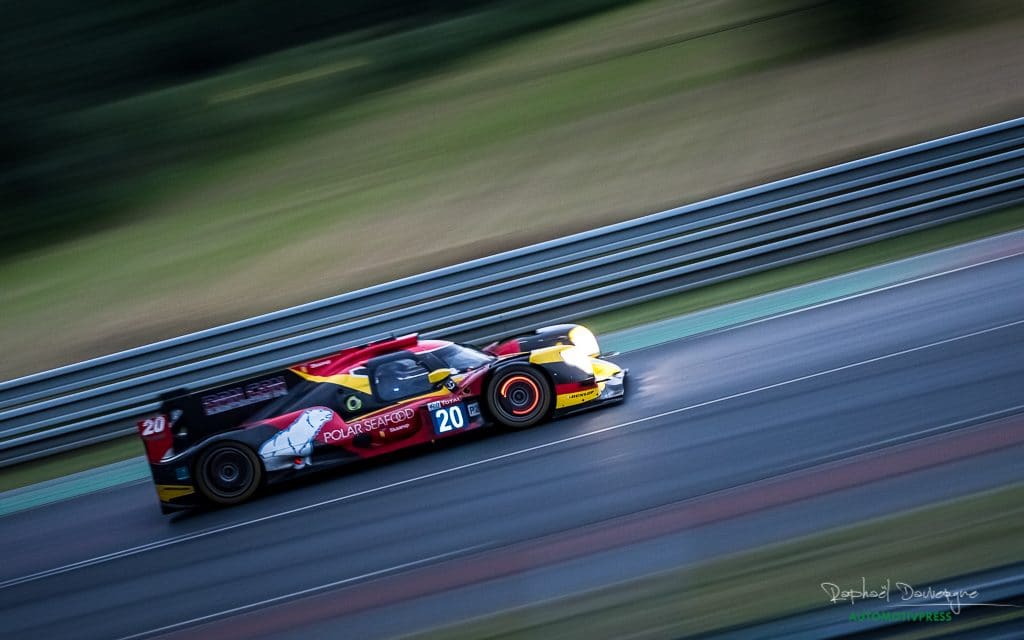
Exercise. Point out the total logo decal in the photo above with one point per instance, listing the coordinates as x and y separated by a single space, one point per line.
472 407
392 422
437 404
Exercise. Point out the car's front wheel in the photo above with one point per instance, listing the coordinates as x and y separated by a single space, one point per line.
228 473
519 396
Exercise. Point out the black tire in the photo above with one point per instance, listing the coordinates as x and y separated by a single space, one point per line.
228 473
519 396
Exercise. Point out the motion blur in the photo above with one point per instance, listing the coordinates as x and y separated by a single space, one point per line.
822 429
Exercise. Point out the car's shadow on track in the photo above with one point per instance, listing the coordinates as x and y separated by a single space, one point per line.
321 477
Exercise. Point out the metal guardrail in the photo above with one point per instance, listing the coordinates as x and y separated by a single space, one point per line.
559 280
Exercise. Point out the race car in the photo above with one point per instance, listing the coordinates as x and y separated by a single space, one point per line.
220 445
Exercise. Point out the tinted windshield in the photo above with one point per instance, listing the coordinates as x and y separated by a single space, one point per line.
400 379
462 358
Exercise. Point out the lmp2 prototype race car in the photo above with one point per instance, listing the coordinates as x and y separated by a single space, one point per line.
220 445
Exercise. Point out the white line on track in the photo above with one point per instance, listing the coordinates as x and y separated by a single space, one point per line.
325 587
298 594
469 465
159 544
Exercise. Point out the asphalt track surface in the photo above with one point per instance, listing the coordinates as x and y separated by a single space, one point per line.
729 440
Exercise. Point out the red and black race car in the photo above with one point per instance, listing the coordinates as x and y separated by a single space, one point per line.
219 445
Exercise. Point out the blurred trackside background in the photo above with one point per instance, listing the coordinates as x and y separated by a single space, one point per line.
168 168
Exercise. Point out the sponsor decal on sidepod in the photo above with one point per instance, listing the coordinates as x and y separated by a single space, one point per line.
392 421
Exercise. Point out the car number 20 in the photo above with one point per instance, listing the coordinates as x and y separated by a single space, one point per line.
448 418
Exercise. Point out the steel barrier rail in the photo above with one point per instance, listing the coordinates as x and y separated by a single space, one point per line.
610 267
602 270
879 169
290 322
406 301
485 302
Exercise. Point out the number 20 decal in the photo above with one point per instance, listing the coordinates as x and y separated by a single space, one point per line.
448 418
153 426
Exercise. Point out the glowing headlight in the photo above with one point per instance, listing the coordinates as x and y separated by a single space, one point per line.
574 356
583 338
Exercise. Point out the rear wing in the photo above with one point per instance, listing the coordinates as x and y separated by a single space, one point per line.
186 418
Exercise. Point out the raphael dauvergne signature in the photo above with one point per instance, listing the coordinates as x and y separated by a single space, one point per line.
902 593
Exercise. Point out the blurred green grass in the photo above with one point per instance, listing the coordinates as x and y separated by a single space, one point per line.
64 464
85 134
396 145
921 546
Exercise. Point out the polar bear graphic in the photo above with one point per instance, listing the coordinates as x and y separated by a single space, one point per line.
296 441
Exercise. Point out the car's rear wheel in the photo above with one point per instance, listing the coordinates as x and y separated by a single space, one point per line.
228 473
519 396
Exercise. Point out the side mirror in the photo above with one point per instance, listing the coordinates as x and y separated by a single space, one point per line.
443 376
437 376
